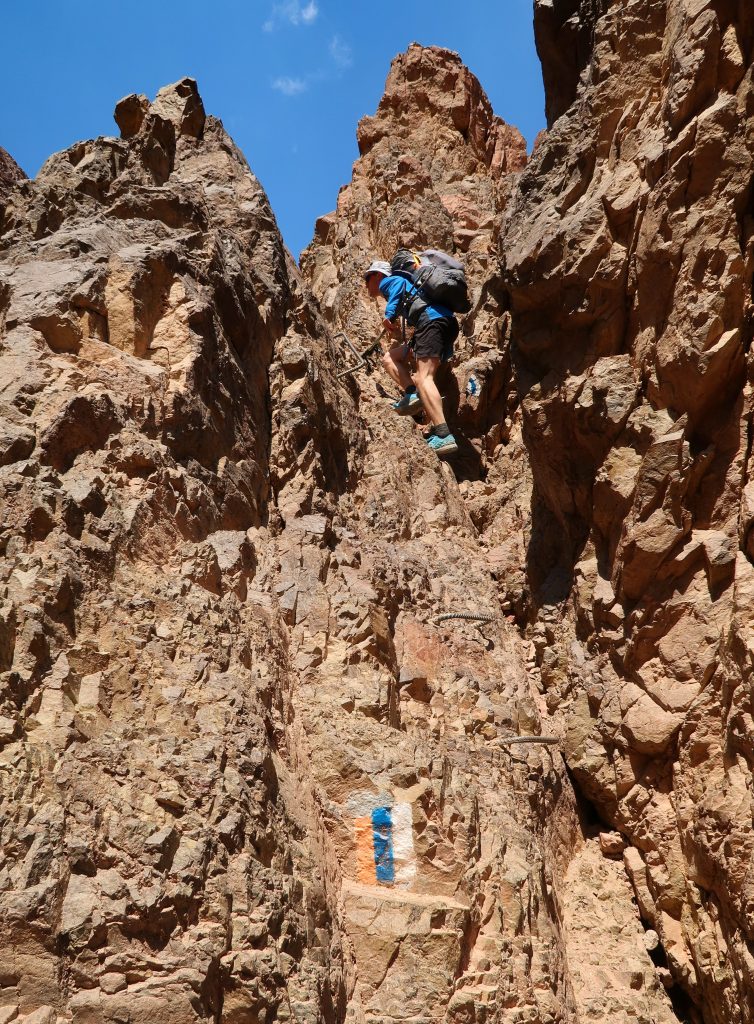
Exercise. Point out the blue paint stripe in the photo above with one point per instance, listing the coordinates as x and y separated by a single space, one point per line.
382 828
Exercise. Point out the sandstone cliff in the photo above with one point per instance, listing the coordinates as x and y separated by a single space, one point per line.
152 867
628 264
249 772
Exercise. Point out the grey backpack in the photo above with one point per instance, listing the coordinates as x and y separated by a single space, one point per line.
439 278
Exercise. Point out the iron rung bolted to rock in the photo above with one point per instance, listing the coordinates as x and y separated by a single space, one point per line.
469 616
362 358
508 741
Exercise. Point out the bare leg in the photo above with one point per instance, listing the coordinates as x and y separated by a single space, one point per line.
430 396
394 362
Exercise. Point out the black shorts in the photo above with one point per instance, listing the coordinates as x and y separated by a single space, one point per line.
433 339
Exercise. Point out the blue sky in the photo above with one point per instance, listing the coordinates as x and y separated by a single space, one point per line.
289 78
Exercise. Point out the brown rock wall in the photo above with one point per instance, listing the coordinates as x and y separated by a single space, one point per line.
219 647
149 867
628 265
436 170
10 172
564 33
470 531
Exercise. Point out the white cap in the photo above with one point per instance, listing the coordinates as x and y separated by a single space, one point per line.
377 267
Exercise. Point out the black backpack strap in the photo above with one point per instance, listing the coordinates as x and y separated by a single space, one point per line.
421 275
408 297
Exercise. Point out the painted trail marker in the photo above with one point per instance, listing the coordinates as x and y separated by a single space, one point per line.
385 852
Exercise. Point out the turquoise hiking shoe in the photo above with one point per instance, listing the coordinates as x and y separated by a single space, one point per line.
442 445
408 405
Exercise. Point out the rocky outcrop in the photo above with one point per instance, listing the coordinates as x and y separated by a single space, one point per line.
436 167
10 173
564 34
628 266
436 170
251 760
628 276
152 864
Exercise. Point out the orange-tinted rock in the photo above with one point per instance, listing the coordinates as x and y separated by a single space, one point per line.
130 113
627 247
10 172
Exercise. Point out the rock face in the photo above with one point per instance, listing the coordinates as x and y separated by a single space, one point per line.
628 266
10 173
255 754
436 170
250 772
152 865
564 32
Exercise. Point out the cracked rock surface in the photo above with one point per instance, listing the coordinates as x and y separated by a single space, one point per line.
628 270
248 773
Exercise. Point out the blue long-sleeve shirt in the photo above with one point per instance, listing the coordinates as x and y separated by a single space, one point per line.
393 288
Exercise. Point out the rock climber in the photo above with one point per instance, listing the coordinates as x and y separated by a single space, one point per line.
436 329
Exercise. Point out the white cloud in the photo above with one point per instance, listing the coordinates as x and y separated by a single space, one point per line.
290 86
341 58
292 11
341 53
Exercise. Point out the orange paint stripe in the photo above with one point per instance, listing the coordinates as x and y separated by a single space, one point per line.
365 869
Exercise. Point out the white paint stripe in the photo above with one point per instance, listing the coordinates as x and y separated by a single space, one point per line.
404 857
364 801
